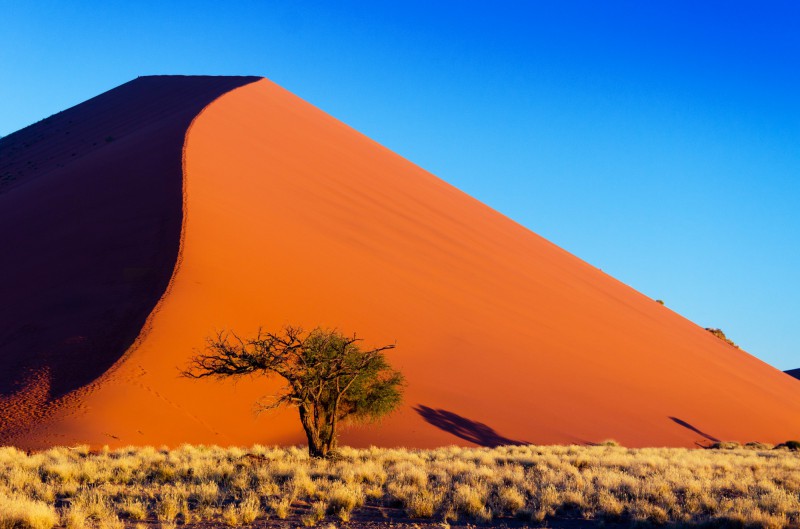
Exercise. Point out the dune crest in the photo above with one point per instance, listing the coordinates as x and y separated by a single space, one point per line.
290 216
91 209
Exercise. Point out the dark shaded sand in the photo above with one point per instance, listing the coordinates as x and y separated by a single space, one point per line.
794 372
91 210
293 217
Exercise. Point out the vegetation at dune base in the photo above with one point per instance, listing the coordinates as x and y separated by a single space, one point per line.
329 378
529 485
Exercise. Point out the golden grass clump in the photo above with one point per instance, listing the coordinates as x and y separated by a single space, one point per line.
22 513
315 515
343 498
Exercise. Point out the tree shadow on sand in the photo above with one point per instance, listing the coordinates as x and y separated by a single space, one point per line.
472 431
688 426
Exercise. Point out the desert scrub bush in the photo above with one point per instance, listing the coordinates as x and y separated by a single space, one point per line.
794 446
725 445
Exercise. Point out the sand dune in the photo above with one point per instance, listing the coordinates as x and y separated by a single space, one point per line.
290 216
794 372
90 204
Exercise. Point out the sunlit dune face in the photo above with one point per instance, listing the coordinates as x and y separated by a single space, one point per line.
504 338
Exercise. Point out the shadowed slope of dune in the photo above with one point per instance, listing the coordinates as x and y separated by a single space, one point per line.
293 217
91 210
794 372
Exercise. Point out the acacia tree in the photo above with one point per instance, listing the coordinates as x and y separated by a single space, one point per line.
328 377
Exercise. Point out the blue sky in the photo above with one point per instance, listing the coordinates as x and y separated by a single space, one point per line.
659 141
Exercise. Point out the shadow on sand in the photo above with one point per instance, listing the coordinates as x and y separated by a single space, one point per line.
472 431
695 430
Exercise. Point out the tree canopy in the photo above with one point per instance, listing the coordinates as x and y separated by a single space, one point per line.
329 378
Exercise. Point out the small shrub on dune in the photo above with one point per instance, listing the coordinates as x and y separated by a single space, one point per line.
794 446
725 445
755 445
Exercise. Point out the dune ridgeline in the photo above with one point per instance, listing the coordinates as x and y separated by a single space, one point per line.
138 223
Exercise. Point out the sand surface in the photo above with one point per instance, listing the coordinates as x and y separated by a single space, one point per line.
91 212
290 216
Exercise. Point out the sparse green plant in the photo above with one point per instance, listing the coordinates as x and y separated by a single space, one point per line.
725 445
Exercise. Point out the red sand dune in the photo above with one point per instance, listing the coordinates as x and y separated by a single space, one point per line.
290 216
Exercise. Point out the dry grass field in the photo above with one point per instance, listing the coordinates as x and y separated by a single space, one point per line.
517 486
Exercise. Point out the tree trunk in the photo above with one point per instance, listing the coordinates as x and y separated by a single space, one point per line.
317 448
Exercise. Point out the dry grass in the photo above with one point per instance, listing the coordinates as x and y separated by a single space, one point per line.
751 486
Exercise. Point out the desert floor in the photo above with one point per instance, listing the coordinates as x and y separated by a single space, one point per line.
514 486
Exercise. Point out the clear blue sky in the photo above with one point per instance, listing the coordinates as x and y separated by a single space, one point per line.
659 141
